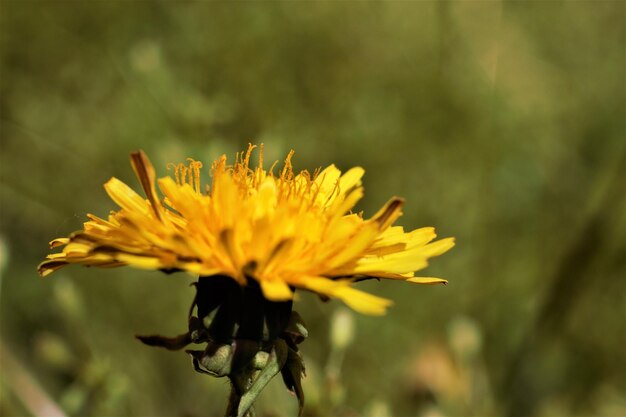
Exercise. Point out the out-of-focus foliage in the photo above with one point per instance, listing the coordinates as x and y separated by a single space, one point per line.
502 123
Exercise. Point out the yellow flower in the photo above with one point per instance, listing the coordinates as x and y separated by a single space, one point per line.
285 231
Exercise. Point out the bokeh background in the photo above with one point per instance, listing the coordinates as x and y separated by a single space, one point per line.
501 122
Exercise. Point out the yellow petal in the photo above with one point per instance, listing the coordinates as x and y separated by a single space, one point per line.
351 179
58 242
398 265
358 300
182 198
266 199
145 173
408 260
437 248
363 302
199 268
359 242
348 201
143 262
276 290
427 280
47 267
77 248
327 185
125 197
420 237
389 213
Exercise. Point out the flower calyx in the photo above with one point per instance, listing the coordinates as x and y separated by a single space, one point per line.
248 339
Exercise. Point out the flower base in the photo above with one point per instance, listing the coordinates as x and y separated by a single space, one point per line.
248 339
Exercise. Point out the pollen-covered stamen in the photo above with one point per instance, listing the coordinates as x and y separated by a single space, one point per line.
187 174
258 173
270 172
218 168
246 160
194 173
287 173
245 177
176 168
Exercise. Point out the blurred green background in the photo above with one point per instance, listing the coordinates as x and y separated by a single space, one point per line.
501 123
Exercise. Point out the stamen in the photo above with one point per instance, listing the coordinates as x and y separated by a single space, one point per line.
175 167
197 174
287 172
194 173
248 153
180 170
184 169
271 170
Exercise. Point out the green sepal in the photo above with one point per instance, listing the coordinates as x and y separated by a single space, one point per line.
292 374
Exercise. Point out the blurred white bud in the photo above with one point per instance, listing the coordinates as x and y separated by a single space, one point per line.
378 408
312 383
4 254
53 350
432 411
67 298
145 56
341 329
465 336
4 257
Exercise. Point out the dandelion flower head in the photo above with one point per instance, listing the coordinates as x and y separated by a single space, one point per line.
286 230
